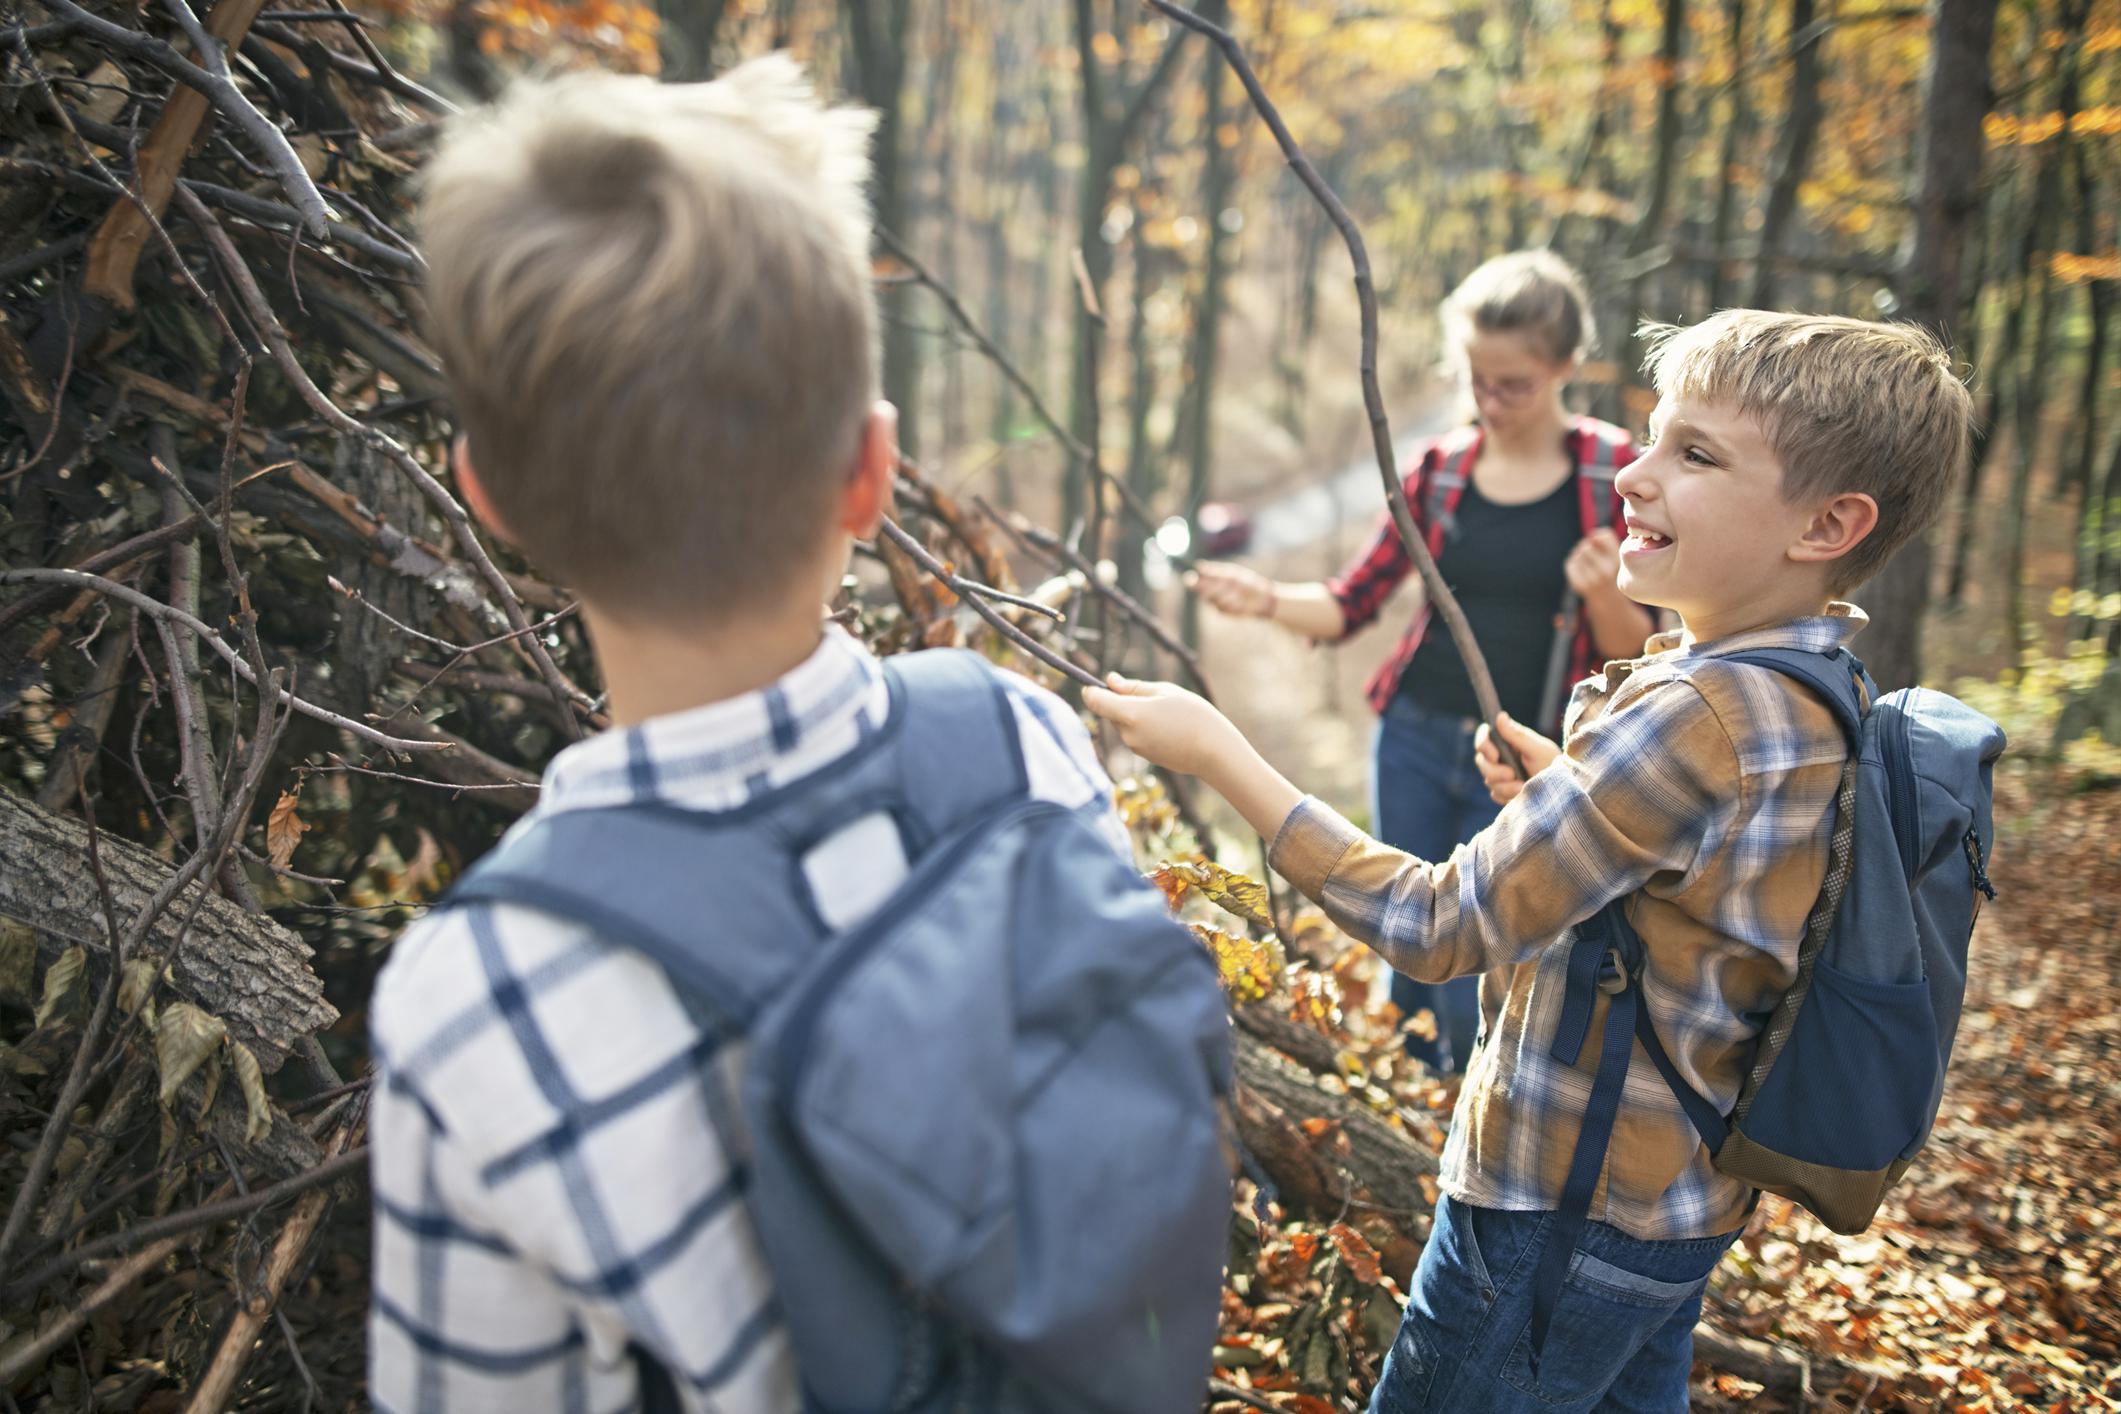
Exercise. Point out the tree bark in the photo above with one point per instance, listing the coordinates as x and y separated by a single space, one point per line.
2033 379
686 36
1737 123
1205 356
243 968
1650 224
1358 1155
881 31
1794 156
1956 98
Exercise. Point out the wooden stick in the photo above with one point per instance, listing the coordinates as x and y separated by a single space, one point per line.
242 1336
1440 596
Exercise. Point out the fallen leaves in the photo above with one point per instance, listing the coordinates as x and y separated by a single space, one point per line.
284 828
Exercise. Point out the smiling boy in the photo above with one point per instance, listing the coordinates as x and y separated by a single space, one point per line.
1792 455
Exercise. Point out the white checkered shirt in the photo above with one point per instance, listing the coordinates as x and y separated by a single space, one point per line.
549 1192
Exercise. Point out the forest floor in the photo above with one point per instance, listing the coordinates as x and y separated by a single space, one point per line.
1992 1280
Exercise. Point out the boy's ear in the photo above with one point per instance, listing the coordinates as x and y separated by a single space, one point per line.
1836 527
867 495
473 490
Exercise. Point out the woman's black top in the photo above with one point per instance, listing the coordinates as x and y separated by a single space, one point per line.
1504 564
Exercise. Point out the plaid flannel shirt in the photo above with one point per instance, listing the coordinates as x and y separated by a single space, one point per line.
1368 581
549 1193
1702 789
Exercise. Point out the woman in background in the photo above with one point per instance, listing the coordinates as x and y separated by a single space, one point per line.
1519 512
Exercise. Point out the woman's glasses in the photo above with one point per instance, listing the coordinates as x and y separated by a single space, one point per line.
1503 390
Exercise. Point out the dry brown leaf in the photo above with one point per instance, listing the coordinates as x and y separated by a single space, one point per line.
284 828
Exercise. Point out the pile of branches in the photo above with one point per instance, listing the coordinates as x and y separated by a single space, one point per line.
264 689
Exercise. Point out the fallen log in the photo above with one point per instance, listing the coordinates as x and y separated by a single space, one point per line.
245 969
1329 1153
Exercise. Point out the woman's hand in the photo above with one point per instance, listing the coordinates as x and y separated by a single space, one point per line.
1534 750
1593 567
1246 593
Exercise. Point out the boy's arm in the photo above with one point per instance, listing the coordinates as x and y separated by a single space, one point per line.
451 1318
1645 790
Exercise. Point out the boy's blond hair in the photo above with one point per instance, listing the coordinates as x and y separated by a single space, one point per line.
1534 293
654 305
1846 404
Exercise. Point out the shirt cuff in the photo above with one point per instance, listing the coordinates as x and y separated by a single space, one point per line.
1310 844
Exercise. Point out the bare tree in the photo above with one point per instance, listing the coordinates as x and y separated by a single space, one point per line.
1956 98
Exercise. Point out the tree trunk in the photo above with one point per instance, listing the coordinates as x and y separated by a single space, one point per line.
1358 1154
243 968
1650 225
1955 100
1142 468
2099 307
685 37
1737 122
1593 153
881 32
1794 156
2033 379
1204 357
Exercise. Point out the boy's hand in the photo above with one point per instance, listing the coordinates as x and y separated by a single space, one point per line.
1593 567
1246 593
1533 749
1166 724
1181 732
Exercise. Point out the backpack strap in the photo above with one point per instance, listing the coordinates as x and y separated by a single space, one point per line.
1607 956
1597 467
958 750
1838 677
1595 448
671 882
1447 485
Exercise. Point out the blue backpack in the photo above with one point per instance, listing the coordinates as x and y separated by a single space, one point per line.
981 1129
1849 1070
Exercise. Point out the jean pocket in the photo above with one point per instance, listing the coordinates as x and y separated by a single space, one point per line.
1606 1314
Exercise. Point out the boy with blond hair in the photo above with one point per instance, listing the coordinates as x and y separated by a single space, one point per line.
1694 796
745 932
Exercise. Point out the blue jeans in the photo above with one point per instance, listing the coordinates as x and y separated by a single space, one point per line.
1622 1340
1427 798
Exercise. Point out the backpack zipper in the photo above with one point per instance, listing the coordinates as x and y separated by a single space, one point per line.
1900 773
1972 843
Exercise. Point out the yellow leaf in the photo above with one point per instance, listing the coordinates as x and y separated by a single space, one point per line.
283 828
184 1037
136 988
257 1106
1249 969
1233 893
60 979
18 959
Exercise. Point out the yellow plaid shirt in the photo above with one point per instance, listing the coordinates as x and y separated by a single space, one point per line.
1701 789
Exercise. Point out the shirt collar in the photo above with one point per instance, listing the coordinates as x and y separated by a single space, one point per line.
719 755
1816 633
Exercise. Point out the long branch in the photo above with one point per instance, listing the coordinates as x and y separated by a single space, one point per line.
1075 445
970 593
1440 595
215 83
283 354
156 609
